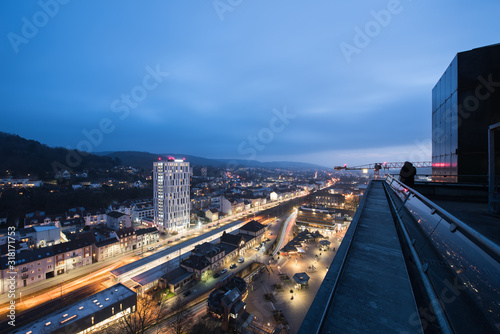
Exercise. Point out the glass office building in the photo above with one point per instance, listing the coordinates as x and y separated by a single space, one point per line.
465 102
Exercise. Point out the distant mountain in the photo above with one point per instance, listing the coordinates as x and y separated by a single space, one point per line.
145 160
274 164
21 157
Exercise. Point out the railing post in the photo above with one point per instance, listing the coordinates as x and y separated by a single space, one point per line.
491 166
392 180
403 204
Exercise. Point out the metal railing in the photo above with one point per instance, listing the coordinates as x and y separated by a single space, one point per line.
451 250
486 244
451 178
429 289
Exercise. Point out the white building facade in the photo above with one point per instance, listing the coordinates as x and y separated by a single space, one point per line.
171 195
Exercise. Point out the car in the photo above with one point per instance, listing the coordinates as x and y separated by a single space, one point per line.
150 248
268 239
257 248
216 275
233 266
187 293
223 271
241 259
169 242
139 253
183 237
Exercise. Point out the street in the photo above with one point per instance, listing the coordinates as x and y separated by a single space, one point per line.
97 277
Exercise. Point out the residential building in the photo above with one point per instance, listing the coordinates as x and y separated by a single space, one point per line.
20 183
72 255
94 217
147 237
38 218
212 214
225 302
142 210
43 263
116 220
41 236
106 249
71 227
127 238
171 195
200 202
231 206
12 247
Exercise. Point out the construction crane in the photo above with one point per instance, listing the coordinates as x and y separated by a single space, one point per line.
377 166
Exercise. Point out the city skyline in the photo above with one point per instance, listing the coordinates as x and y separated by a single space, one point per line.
270 82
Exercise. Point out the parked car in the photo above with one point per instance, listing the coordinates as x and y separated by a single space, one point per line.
187 293
216 275
139 253
223 271
233 266
257 248
241 259
150 248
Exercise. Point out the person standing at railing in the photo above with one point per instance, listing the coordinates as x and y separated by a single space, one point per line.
407 174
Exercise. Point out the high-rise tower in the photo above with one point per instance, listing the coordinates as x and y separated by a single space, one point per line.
171 194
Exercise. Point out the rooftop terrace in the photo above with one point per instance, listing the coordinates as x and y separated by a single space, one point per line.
408 265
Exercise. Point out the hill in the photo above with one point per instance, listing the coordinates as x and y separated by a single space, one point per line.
22 156
145 160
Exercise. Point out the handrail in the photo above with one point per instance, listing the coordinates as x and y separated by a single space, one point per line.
480 240
431 293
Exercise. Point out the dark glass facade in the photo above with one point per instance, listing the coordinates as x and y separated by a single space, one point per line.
465 102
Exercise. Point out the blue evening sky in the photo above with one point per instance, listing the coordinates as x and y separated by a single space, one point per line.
351 80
